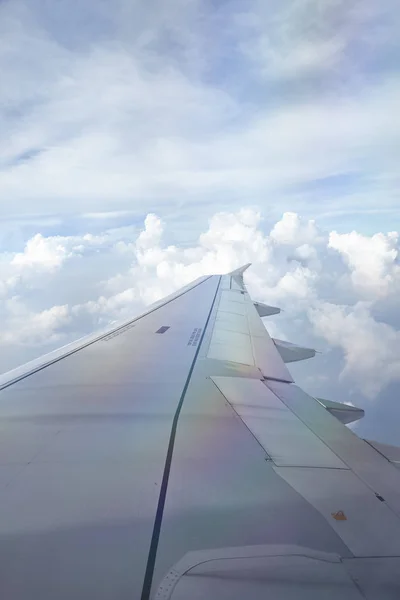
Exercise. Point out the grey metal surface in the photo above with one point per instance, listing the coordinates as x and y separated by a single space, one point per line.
222 488
121 449
287 441
264 310
114 329
292 352
376 577
368 527
345 413
239 336
368 464
278 572
82 448
392 453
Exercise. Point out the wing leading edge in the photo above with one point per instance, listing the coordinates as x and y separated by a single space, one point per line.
173 456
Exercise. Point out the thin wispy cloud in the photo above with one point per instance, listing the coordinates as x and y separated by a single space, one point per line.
132 104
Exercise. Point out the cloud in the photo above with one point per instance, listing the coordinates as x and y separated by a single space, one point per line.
36 329
293 230
302 40
178 112
371 349
373 261
41 253
295 265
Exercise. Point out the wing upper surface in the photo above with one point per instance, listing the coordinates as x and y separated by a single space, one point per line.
262 462
83 440
239 335
181 434
112 330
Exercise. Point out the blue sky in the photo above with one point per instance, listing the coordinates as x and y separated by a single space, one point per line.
281 116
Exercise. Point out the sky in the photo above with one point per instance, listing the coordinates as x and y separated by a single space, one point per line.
144 144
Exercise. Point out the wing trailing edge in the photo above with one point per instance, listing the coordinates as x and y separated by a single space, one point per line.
392 453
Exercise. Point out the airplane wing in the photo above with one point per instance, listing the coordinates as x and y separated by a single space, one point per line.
173 457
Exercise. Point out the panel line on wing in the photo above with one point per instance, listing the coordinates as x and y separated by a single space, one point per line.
152 556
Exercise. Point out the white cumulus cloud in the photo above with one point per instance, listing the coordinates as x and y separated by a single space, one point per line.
373 261
371 348
293 230
40 252
23 326
78 284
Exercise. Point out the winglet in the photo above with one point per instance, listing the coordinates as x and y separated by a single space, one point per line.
240 270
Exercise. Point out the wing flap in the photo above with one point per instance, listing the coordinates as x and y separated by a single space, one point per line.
366 525
361 458
283 436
